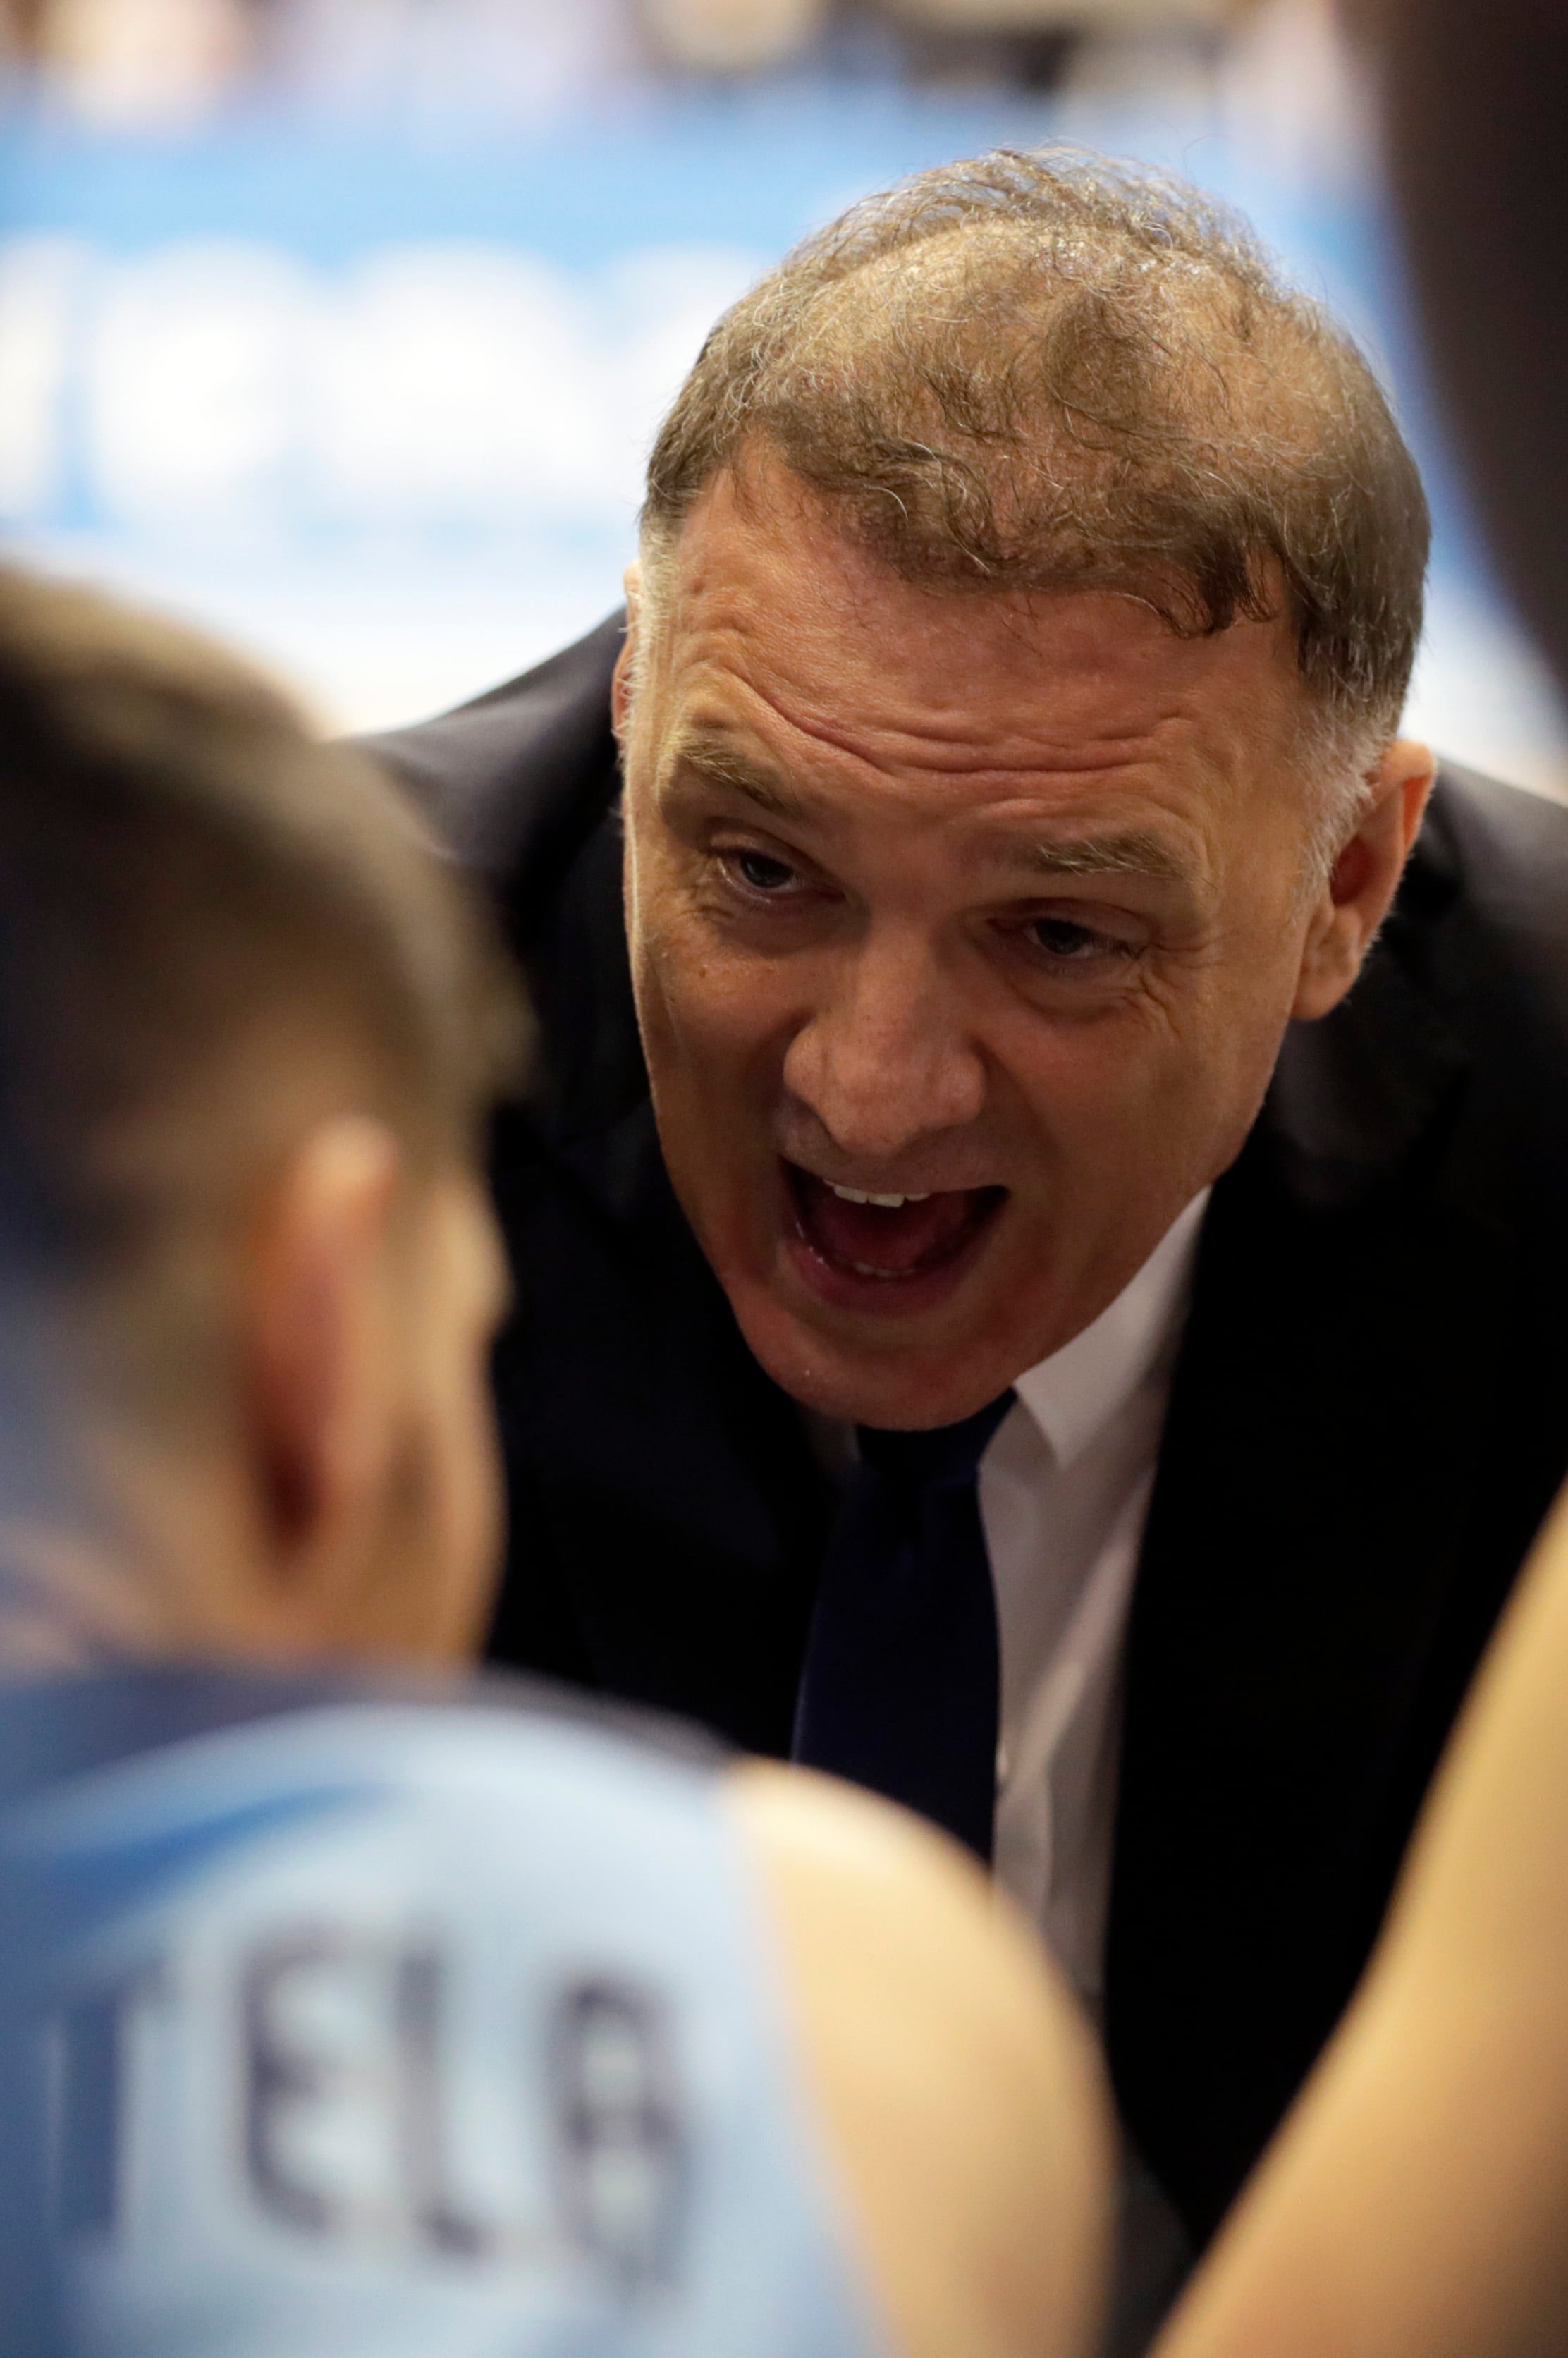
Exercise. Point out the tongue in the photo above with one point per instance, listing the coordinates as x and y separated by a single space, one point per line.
869 1235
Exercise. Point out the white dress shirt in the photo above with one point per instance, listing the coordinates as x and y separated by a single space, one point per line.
1065 1488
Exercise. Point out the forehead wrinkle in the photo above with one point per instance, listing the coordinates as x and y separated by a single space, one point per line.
956 745
956 742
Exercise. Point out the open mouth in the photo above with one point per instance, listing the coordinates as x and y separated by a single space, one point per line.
889 1240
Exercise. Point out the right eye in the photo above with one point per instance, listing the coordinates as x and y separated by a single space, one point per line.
760 872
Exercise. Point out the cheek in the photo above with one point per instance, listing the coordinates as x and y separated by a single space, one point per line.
1170 1083
1259 985
1224 1043
715 1021
666 947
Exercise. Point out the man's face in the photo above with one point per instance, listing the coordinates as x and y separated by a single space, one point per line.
965 929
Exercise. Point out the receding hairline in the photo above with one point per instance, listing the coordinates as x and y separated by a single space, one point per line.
1083 375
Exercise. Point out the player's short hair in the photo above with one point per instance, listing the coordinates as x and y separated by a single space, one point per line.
201 907
1048 372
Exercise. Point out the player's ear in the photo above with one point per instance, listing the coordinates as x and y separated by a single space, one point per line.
321 1382
1360 887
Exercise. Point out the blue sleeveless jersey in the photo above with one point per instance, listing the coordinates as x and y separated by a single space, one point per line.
389 2026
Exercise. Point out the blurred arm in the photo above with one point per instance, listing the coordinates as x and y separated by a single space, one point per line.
959 2091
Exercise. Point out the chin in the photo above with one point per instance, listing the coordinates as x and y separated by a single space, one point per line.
893 1382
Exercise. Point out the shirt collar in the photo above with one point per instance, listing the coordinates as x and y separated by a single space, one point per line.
1075 1394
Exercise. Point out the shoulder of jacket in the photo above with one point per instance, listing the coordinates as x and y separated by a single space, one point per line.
1496 844
515 782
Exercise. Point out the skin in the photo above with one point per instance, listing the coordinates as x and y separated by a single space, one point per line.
960 2090
1415 2203
342 1501
930 892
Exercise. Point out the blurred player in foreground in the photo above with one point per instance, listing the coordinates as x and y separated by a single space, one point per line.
1416 2203
352 2012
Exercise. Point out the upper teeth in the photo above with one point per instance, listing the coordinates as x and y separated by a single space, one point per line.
887 1202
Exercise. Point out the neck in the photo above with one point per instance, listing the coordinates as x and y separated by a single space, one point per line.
59 1613
124 1557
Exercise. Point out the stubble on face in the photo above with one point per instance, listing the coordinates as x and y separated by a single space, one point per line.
986 906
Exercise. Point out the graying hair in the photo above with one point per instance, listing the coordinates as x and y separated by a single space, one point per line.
1048 372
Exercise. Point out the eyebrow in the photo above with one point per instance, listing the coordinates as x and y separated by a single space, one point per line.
723 764
1135 852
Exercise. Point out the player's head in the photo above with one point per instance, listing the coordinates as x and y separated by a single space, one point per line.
248 1035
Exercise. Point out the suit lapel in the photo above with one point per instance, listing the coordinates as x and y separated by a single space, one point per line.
1319 1468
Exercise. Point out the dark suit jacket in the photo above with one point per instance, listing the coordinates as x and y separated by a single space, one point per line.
1368 1420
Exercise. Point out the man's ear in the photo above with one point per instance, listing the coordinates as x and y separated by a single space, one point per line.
1357 896
321 1394
625 662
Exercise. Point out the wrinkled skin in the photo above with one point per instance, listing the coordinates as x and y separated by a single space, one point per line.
992 900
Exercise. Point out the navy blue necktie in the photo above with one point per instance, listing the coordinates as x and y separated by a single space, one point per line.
900 1688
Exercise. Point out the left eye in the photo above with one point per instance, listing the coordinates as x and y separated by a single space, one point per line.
762 872
1060 937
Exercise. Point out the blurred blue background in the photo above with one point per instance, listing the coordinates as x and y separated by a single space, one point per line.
343 325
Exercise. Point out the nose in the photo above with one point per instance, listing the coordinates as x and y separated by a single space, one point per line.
886 1058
